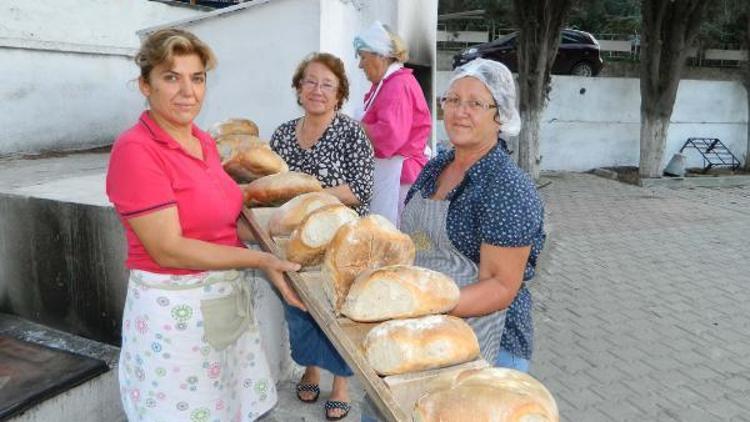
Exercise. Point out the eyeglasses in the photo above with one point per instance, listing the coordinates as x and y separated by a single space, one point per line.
310 85
453 103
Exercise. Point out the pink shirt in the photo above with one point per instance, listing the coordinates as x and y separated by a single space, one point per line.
150 171
398 122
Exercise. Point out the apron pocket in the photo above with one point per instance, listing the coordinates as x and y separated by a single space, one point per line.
226 318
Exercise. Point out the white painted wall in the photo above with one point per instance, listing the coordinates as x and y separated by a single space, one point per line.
595 122
258 45
62 101
91 22
66 70
253 78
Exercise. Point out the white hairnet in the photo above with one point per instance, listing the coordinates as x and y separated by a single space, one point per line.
375 39
499 81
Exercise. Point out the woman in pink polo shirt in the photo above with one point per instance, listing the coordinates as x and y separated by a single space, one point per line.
190 347
395 117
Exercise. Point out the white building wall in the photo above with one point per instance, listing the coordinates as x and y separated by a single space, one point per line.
258 46
595 122
90 22
67 67
253 79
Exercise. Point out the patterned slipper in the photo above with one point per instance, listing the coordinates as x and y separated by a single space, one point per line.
308 388
335 404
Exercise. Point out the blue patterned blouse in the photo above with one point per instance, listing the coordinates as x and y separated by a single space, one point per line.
496 203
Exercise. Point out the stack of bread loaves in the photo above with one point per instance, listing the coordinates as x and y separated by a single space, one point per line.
244 156
366 282
368 277
490 394
366 244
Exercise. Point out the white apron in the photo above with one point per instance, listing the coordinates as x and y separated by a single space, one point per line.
191 350
386 192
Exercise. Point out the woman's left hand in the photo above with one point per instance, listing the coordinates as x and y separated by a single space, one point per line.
274 269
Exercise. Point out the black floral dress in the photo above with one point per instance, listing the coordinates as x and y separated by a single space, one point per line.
342 156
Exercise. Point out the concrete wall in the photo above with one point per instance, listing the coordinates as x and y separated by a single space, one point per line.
253 78
61 261
67 70
595 122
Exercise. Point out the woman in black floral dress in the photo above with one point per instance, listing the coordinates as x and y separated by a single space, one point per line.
325 143
332 147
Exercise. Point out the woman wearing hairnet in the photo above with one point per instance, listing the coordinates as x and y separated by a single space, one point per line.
395 117
473 214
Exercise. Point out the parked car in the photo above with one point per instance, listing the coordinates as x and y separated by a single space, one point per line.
578 53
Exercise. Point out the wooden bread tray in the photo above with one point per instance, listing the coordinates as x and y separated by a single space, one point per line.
393 395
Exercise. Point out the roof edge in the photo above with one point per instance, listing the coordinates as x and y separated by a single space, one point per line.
175 3
196 19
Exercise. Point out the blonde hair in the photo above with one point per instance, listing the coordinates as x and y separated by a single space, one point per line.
163 45
399 50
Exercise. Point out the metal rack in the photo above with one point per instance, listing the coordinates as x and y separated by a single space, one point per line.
715 154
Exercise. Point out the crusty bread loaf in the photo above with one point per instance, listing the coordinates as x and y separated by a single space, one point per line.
262 160
488 395
246 158
233 126
368 243
279 188
416 344
309 240
399 291
290 215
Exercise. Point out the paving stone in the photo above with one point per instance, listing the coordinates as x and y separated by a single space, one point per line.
663 273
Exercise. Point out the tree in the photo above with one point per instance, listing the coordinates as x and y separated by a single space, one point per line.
540 22
669 29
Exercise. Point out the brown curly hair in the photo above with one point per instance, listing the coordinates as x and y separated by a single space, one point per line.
334 64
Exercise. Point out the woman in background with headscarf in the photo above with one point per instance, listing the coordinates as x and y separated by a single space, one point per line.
395 117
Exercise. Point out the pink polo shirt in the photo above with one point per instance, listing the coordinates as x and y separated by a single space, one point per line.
150 171
399 123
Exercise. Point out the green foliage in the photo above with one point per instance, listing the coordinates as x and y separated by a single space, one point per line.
724 26
606 16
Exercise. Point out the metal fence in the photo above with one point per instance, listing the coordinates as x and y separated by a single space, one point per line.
613 46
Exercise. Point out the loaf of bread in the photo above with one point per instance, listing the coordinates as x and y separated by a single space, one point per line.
489 394
368 243
309 240
246 157
279 188
416 344
233 126
290 215
399 291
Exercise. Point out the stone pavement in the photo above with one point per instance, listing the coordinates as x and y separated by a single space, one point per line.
642 306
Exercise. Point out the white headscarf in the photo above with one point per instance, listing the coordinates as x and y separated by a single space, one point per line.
375 39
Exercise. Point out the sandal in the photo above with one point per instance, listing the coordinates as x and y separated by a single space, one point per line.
308 388
335 404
